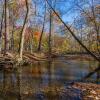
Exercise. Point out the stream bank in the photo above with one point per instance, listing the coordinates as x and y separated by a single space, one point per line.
56 79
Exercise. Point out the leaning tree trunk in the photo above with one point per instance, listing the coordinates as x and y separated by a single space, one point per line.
23 32
72 33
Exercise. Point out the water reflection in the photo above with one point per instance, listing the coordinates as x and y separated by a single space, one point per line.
95 71
40 80
9 85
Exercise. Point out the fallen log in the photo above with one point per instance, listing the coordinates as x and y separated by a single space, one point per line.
32 57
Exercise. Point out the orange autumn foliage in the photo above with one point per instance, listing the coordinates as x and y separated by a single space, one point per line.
29 33
37 35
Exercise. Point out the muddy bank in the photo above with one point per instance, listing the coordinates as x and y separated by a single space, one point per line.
11 58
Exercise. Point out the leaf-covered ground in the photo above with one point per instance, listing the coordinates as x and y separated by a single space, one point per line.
89 91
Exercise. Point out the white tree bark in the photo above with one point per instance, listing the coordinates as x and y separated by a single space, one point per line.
23 31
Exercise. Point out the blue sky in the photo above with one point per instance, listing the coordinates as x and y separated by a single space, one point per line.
65 8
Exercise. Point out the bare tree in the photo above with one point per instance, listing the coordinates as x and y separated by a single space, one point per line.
96 26
23 32
72 33
40 40
91 17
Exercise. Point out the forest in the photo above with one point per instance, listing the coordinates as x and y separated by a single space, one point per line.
47 46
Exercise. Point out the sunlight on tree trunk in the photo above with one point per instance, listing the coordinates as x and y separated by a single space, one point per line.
23 32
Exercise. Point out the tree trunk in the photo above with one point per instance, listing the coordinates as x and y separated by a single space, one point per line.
12 37
50 31
1 30
40 40
72 33
6 48
23 32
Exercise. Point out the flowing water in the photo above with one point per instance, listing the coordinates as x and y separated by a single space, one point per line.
40 80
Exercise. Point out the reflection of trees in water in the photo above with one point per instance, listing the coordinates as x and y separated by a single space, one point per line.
98 77
18 80
97 71
38 83
50 95
11 85
49 63
7 80
98 74
92 65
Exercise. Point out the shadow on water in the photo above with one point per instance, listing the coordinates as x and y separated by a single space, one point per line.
95 71
43 81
